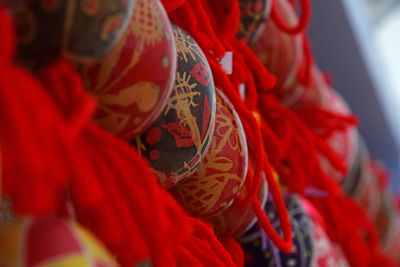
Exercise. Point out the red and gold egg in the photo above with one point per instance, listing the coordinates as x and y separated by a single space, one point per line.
82 30
239 217
221 174
252 14
50 241
178 140
133 81
278 51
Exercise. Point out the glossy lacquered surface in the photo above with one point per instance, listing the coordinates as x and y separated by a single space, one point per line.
222 172
133 81
177 141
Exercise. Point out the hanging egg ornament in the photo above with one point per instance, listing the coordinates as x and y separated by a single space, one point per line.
239 217
50 241
81 30
278 51
319 94
220 176
260 251
133 81
177 141
252 14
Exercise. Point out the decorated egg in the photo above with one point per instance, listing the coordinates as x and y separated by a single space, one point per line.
252 14
177 141
239 217
319 94
82 30
278 51
220 176
326 253
133 81
260 251
50 241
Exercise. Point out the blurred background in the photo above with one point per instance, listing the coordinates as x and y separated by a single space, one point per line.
358 43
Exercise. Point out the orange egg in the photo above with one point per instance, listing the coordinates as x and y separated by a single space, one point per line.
221 174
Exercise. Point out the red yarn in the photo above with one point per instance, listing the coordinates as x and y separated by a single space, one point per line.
51 143
286 243
235 250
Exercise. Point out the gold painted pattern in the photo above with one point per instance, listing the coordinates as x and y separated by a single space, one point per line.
148 29
202 192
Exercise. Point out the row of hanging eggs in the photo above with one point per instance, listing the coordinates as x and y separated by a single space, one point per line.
127 57
155 90
281 53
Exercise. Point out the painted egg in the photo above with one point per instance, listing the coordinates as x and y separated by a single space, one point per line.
83 29
177 141
326 253
320 94
133 81
221 174
50 241
260 251
278 51
252 14
238 218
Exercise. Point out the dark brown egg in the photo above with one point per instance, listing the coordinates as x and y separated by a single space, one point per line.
177 141
260 252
